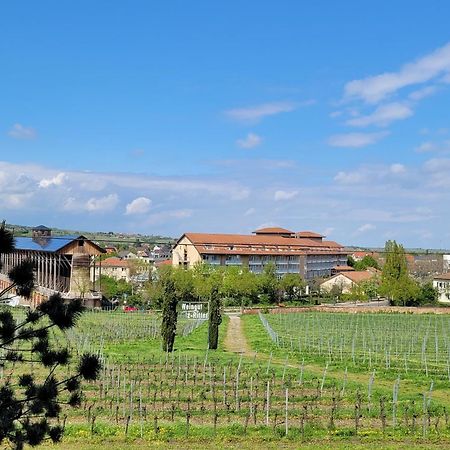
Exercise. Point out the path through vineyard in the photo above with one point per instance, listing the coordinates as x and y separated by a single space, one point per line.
235 340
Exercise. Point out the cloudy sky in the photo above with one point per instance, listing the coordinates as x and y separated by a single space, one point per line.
166 117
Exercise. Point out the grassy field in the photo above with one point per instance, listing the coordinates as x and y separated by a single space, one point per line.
271 396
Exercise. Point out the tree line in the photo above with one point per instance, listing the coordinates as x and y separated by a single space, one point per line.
237 286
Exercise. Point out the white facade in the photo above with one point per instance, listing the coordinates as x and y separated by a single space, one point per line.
442 284
446 263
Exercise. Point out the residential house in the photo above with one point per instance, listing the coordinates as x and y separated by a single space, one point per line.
345 281
114 267
442 284
126 254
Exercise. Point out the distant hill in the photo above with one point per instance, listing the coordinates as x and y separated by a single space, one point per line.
414 251
102 237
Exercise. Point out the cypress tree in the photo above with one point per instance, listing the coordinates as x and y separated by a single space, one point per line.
215 318
170 314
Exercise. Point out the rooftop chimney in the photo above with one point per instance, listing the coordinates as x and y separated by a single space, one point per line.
41 231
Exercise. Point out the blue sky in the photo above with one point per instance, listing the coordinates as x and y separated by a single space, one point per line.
166 117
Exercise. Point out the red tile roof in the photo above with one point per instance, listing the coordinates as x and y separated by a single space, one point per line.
273 230
260 244
443 276
308 234
361 254
164 262
358 276
114 262
343 269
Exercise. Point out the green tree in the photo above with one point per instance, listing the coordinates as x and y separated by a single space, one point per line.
184 283
396 284
169 314
365 263
240 286
336 292
357 293
215 318
428 295
113 288
204 276
155 293
292 285
268 284
371 287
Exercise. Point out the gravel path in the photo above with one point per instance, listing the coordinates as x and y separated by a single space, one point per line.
235 340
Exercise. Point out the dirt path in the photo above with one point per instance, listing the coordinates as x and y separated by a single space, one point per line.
235 340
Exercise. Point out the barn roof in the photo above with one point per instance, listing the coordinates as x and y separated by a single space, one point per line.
41 228
51 244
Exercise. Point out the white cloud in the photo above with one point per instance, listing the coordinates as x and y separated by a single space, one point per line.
256 113
424 92
425 147
168 216
102 204
375 88
19 131
139 205
383 115
57 180
284 195
335 114
375 175
397 169
365 228
16 201
429 146
438 172
350 177
250 211
250 141
355 140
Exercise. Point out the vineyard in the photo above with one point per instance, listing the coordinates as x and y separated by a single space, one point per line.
94 329
311 378
399 343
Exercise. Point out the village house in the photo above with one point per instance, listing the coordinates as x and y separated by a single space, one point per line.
126 254
442 284
114 267
345 281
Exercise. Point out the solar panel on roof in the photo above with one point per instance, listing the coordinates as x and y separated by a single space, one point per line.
44 244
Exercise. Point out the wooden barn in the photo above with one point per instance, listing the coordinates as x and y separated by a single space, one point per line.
62 264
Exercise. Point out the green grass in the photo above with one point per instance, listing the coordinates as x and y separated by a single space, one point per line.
235 437
141 350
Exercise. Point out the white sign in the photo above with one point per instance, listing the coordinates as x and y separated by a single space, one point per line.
195 311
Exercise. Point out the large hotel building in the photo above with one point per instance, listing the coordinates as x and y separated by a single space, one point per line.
304 252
